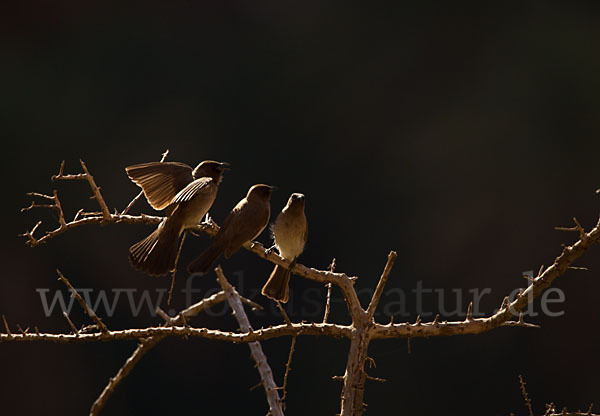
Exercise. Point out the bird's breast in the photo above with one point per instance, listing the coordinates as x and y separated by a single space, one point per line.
290 236
193 211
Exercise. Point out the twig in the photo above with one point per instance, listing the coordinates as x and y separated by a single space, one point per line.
143 347
327 303
73 327
258 355
380 380
6 326
90 179
21 330
82 302
175 268
525 395
288 367
139 195
566 413
162 314
328 299
286 318
147 344
381 284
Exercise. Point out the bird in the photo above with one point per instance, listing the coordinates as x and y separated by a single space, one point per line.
244 223
185 194
290 232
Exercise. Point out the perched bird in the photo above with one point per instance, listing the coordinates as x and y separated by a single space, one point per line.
290 232
187 196
244 223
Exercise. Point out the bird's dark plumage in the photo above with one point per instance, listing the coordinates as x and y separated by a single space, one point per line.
244 223
186 194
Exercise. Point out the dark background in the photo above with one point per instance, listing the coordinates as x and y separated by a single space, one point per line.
458 136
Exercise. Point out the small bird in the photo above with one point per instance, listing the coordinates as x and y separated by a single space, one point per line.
187 196
290 232
244 223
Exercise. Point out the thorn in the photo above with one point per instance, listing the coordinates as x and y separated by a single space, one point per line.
332 265
60 171
436 319
391 320
78 214
521 321
582 235
6 325
256 385
418 321
470 312
540 271
578 268
381 380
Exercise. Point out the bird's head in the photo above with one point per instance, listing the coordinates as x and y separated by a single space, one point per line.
260 191
211 169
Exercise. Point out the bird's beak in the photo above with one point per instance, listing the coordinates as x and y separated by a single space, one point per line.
225 166
273 188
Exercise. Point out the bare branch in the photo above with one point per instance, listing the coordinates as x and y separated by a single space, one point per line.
381 284
288 367
263 334
82 302
175 267
147 344
73 327
90 179
258 355
525 395
566 413
143 347
328 299
286 318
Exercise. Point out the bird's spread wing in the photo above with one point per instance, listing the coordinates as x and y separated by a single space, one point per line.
199 186
161 182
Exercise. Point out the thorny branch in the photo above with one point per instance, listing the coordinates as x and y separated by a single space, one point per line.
82 302
361 331
266 375
550 407
147 344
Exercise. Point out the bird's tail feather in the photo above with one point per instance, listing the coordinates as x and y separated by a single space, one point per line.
202 263
156 253
277 287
